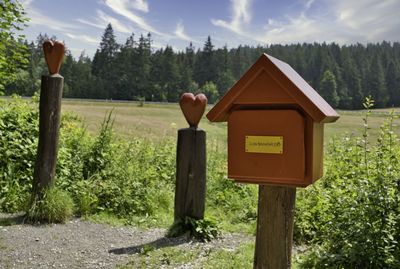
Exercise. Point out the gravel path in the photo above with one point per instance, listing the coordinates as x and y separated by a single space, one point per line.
82 244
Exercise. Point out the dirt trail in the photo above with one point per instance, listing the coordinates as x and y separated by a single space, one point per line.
83 244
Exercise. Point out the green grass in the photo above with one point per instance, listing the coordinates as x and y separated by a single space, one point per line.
169 257
156 121
161 220
151 121
56 206
194 257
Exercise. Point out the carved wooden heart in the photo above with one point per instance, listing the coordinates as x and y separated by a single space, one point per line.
54 54
193 107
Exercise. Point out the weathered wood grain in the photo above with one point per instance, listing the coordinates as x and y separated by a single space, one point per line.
274 227
190 190
49 125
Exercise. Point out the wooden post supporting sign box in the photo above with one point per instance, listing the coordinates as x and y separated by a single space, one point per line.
275 139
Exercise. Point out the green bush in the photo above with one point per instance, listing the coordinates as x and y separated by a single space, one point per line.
56 206
351 218
102 173
203 229
100 152
18 142
133 180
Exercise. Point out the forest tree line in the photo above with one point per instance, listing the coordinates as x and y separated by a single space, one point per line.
343 75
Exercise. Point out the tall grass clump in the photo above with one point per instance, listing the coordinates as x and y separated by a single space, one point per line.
55 206
351 218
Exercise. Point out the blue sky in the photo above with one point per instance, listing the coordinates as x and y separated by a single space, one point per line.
80 23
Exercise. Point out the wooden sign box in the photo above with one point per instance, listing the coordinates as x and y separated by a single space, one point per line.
275 126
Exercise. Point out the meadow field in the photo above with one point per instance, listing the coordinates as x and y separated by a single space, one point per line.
156 121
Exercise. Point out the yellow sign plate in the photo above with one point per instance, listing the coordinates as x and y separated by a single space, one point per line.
264 144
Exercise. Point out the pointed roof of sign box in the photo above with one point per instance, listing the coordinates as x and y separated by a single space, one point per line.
273 82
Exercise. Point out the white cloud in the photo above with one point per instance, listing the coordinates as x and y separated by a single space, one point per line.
83 38
103 19
140 5
26 3
299 29
123 8
180 33
38 18
340 21
240 16
308 4
374 19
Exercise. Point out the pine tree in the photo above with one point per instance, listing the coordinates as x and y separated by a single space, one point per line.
108 44
393 83
225 77
377 84
205 69
328 89
104 64
170 76
103 57
352 78
142 68
189 57
123 66
185 65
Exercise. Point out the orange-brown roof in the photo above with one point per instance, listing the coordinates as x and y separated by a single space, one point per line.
270 81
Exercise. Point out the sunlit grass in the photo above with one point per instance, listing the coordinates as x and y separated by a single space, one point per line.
160 120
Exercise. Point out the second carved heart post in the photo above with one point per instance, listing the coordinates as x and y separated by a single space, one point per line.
190 189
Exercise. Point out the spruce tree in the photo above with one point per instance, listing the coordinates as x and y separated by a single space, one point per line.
142 68
103 64
108 44
224 78
170 77
377 84
186 65
328 89
393 83
205 69
351 80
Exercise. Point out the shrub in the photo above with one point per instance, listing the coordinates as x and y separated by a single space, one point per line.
104 174
86 201
351 218
56 206
100 153
18 143
203 229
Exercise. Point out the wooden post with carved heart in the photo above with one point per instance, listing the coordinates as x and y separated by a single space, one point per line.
190 189
49 119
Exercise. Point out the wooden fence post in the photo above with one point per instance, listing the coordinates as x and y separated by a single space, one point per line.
190 190
274 227
49 124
